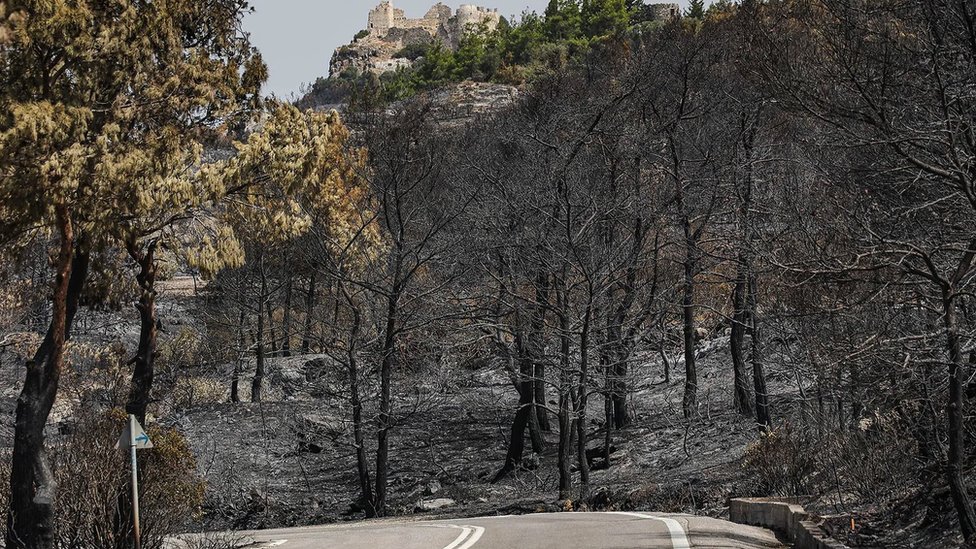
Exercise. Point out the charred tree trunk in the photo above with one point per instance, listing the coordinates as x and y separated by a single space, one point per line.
741 397
355 402
525 416
309 309
516 441
539 397
607 399
618 345
763 417
143 372
955 460
580 407
535 431
257 384
565 449
615 362
530 347
286 317
235 380
690 401
270 309
30 518
745 299
538 374
384 422
140 388
621 411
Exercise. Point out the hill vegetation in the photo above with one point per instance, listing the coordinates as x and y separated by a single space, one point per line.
768 201
513 53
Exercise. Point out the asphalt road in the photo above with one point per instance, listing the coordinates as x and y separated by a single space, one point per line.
541 531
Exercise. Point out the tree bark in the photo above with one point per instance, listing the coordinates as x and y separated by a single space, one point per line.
580 407
516 441
384 423
955 460
235 380
30 517
355 402
746 299
257 384
690 401
270 309
309 308
741 397
621 411
286 317
565 401
763 416
608 420
538 374
525 415
539 396
143 372
536 438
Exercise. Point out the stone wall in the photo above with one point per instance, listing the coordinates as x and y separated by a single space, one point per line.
786 516
382 18
468 14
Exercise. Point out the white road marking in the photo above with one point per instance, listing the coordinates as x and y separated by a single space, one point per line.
679 540
478 532
275 543
465 532
463 541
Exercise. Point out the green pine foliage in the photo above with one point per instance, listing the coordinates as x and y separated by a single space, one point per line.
603 17
562 20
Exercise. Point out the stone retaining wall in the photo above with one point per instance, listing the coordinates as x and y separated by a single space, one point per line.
786 516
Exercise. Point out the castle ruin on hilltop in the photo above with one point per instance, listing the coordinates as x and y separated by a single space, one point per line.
380 46
388 30
438 20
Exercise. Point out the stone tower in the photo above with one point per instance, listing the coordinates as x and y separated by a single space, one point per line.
382 18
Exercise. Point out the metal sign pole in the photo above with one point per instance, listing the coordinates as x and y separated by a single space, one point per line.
135 482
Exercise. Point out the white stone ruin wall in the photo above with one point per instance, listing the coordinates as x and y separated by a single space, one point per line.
469 14
385 16
380 19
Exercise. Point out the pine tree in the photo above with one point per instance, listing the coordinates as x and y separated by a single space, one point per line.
696 9
103 106
562 20
102 148
603 17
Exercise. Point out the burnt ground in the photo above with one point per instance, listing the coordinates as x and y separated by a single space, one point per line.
288 461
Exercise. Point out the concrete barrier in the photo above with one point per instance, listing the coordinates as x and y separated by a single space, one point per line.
786 516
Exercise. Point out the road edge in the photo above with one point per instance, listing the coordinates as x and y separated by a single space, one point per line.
785 516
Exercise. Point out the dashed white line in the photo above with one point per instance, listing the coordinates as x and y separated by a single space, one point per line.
679 540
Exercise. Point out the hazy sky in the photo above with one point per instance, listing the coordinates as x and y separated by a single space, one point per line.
297 37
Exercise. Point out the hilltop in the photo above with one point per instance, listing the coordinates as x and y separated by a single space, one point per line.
380 46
